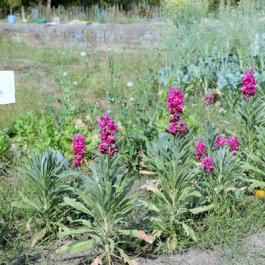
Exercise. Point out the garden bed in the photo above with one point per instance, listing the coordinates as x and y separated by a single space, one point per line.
151 155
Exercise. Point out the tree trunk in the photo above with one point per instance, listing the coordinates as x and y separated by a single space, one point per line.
48 8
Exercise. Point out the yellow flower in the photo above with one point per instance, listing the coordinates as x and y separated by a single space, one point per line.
260 194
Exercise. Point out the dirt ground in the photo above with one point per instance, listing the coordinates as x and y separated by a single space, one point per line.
251 252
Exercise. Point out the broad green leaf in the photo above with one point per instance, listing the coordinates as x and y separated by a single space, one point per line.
150 206
253 168
202 209
77 205
77 247
69 232
189 231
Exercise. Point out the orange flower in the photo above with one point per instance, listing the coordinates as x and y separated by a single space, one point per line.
260 194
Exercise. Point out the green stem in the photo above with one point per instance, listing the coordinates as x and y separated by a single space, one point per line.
107 250
107 244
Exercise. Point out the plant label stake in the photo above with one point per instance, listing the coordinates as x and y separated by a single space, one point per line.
7 87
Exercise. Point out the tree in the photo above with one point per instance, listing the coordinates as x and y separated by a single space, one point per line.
12 4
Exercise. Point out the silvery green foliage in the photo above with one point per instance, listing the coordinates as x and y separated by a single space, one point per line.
105 204
217 70
251 116
173 189
258 44
46 175
224 179
254 165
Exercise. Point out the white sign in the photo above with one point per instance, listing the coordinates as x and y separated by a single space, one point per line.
7 87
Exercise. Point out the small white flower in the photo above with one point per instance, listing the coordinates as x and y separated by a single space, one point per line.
65 74
75 83
131 99
129 84
222 110
83 54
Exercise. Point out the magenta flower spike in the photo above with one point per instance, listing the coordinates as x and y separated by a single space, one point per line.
79 148
176 105
200 150
250 85
107 135
208 165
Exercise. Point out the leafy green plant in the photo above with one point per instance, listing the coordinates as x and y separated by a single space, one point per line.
35 132
5 144
105 204
215 187
66 135
254 164
224 180
215 70
46 175
173 189
70 109
251 117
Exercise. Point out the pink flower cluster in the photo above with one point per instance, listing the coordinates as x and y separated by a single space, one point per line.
250 85
79 148
210 99
108 130
233 143
208 165
176 105
200 150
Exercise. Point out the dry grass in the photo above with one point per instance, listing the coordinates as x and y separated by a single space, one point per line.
38 71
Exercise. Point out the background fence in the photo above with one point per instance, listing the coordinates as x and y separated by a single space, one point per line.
113 14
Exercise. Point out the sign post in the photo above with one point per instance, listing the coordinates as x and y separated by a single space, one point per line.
7 87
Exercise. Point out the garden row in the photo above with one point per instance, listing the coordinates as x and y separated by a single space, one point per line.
192 173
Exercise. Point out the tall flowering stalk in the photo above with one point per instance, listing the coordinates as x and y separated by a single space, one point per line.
176 105
108 131
250 85
79 148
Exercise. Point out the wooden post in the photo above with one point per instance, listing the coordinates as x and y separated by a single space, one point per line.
23 13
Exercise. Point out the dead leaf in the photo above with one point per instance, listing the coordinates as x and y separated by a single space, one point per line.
98 260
